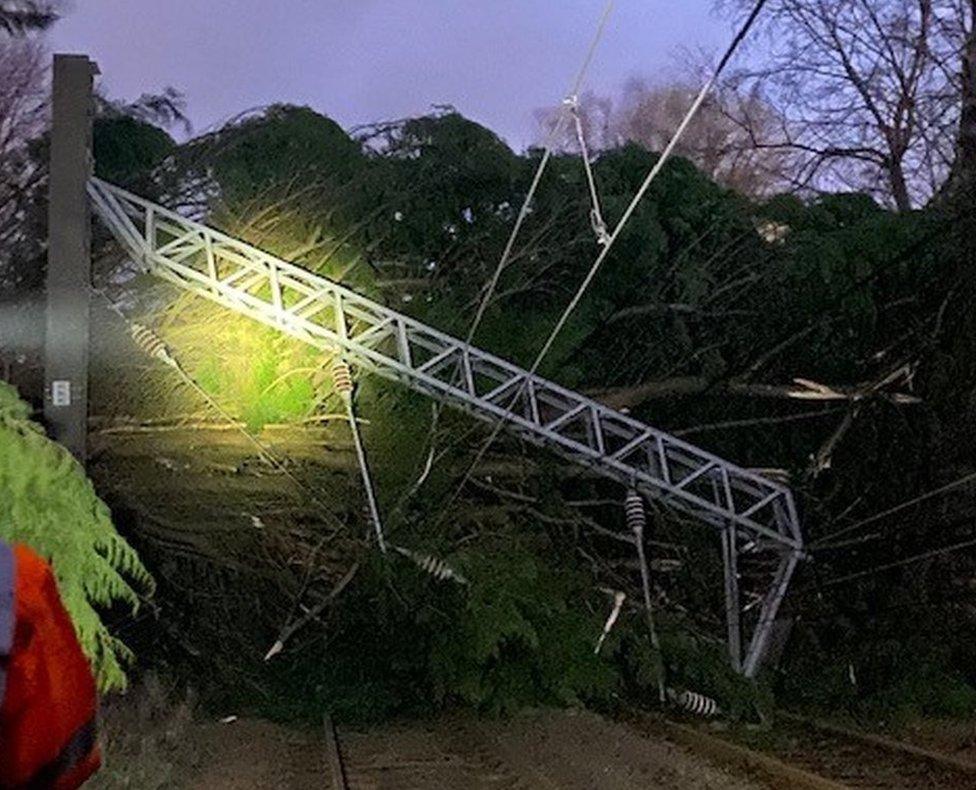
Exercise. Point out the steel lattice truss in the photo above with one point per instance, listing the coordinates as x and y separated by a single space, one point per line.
749 510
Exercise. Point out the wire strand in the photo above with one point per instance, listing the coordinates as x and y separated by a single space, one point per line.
550 142
651 177
899 563
264 452
596 214
605 251
367 478
828 540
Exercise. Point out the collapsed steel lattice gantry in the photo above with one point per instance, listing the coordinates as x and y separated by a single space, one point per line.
754 516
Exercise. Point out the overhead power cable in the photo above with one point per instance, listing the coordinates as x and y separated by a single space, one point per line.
549 147
149 342
342 378
550 142
637 521
624 219
926 555
828 541
651 177
596 214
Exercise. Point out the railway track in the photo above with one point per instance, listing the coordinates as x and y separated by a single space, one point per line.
422 759
859 760
804 754
795 754
537 750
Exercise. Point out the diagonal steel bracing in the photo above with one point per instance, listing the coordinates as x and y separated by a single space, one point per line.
743 506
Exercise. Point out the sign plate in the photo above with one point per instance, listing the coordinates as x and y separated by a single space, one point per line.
61 392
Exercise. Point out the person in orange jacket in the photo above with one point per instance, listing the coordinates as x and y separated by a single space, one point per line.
48 698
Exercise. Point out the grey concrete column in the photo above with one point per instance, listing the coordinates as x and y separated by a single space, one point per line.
69 254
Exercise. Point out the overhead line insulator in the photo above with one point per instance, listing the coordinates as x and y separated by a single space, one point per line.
342 378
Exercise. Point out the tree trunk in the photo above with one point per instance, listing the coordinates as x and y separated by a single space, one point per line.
899 186
966 161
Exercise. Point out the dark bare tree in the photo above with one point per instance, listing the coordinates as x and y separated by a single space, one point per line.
23 103
595 112
648 114
717 144
18 17
868 89
965 163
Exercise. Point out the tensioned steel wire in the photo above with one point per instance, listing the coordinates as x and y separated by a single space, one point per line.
150 343
618 228
549 149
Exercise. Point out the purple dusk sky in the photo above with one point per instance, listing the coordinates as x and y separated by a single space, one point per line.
368 60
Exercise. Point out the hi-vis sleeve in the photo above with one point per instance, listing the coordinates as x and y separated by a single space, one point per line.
47 715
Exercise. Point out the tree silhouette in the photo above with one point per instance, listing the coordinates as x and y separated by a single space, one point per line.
18 17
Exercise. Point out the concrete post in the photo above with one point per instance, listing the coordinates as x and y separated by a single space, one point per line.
69 255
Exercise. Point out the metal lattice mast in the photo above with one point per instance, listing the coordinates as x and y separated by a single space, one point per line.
752 513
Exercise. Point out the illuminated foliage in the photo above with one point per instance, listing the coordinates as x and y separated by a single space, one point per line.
50 505
707 309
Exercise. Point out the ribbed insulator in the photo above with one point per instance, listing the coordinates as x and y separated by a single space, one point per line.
151 343
634 510
434 566
342 377
695 703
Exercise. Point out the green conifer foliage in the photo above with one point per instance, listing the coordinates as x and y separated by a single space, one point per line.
47 503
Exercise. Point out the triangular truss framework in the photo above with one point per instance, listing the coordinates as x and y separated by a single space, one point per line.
752 513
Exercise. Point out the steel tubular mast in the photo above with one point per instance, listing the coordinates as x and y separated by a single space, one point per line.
743 506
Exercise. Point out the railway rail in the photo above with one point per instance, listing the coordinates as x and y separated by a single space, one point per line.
658 751
533 750
807 754
421 760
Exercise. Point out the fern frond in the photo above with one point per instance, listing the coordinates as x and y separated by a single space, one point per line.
47 503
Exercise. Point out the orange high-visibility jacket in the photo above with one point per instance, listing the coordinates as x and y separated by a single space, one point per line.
47 714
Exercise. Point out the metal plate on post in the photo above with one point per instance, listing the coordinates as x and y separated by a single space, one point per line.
61 393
